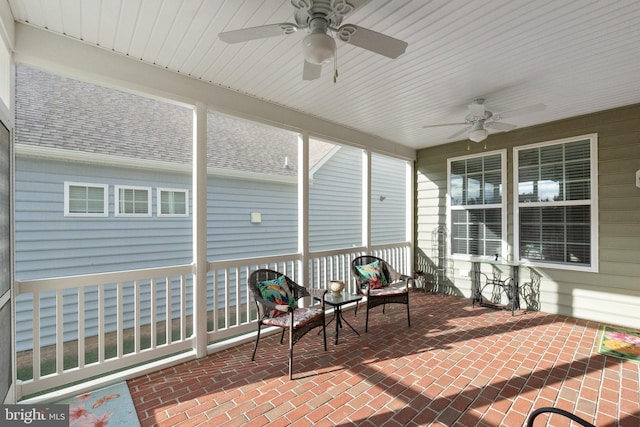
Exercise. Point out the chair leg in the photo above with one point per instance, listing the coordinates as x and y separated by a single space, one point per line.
366 322
324 336
408 316
255 347
291 352
282 337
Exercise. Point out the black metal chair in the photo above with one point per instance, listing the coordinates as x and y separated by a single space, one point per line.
562 412
297 320
387 293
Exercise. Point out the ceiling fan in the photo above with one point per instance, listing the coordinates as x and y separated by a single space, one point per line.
318 17
480 119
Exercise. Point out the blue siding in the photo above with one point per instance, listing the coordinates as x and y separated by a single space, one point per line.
388 216
51 245
335 202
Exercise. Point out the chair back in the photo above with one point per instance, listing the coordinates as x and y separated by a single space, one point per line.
368 259
263 275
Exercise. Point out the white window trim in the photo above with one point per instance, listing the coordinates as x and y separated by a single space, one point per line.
593 202
174 190
116 198
105 210
504 247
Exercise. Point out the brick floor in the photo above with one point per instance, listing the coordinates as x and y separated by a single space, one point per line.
456 366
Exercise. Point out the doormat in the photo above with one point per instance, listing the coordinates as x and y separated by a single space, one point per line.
110 406
621 343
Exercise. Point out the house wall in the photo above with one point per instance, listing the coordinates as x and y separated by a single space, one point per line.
48 244
612 295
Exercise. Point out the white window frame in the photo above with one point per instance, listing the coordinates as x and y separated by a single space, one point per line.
502 205
105 209
116 197
593 203
172 190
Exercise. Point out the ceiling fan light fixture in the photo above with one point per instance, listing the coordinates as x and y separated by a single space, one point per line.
318 48
478 135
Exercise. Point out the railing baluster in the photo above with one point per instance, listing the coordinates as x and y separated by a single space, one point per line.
183 308
227 317
59 332
168 312
101 318
81 327
136 317
154 314
238 300
120 320
36 336
216 315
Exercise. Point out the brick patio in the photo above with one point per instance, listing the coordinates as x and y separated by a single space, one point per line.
456 366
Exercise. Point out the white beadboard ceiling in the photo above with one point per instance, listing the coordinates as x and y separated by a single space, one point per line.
574 56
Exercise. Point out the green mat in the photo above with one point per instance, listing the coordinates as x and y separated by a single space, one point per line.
621 343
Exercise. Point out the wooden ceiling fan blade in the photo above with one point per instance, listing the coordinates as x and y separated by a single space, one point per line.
371 40
255 33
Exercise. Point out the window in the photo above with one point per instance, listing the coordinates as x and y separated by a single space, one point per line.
477 206
173 202
133 201
556 212
85 199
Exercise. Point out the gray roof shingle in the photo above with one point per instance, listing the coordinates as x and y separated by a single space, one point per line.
59 112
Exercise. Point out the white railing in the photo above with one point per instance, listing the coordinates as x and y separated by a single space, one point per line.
95 311
112 321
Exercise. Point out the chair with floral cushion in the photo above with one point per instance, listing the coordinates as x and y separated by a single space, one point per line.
276 297
381 284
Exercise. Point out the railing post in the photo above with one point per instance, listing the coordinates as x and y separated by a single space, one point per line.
200 229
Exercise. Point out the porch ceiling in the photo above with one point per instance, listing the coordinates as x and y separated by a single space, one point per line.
576 57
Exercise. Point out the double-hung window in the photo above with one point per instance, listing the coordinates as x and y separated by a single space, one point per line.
90 200
556 211
477 204
133 201
172 202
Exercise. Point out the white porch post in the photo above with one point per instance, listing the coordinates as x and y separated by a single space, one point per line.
366 200
200 228
303 208
409 210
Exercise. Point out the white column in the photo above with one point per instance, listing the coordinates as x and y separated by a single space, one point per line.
410 207
366 200
200 228
303 208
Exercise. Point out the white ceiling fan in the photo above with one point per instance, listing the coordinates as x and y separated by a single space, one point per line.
318 17
480 119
